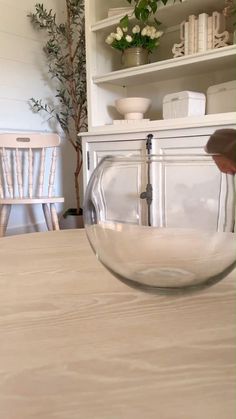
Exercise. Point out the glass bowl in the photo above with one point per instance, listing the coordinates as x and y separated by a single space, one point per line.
162 222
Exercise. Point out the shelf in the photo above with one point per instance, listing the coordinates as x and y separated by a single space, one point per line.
173 68
107 23
169 15
215 120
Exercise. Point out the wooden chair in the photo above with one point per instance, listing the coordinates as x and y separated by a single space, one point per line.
27 174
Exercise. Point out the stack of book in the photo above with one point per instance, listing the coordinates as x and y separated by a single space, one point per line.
201 33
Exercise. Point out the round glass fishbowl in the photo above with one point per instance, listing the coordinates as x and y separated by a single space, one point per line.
162 222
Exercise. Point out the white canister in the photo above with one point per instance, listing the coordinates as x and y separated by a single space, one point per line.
222 97
182 104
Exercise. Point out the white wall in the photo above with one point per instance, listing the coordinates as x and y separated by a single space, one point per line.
23 74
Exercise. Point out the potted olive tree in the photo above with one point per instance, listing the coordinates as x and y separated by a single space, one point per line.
65 52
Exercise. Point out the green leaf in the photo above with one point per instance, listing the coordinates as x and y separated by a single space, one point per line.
124 22
153 6
157 22
144 15
143 4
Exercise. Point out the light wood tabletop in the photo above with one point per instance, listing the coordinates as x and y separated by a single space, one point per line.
76 343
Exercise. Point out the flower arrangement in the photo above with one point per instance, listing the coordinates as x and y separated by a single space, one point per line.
136 36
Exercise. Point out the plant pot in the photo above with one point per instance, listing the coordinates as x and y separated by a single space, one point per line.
71 219
134 56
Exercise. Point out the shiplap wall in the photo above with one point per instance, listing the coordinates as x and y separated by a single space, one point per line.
23 74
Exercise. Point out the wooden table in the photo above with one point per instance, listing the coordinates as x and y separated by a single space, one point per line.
78 344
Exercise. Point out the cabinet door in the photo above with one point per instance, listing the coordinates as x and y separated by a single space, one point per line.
98 150
188 195
122 201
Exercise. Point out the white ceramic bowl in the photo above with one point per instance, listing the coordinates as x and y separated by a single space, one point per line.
132 107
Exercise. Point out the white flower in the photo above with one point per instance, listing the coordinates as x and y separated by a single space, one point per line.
109 39
149 30
119 31
129 38
158 34
144 31
136 29
118 37
125 29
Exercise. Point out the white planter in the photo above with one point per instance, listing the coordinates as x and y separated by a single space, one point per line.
71 221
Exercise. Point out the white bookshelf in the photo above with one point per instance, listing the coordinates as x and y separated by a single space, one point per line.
106 81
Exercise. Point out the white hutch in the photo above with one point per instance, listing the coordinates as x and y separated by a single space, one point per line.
107 82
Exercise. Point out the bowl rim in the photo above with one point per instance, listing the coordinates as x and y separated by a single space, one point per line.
172 157
132 98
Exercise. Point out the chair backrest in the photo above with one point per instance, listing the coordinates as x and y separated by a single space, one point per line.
27 164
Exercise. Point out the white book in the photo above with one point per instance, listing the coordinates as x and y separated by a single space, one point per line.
186 38
202 32
191 34
196 36
209 33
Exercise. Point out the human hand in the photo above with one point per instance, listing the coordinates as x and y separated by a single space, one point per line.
225 165
223 143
